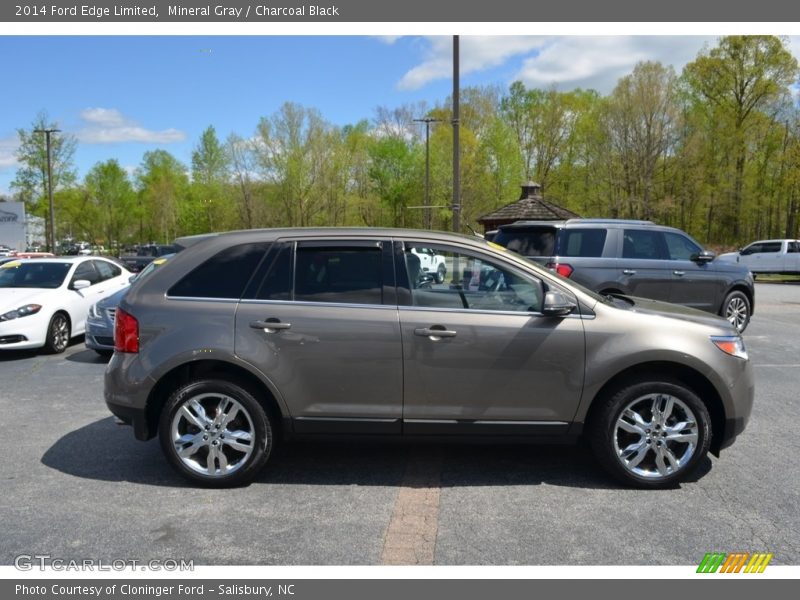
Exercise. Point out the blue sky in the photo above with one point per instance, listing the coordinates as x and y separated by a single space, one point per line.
122 96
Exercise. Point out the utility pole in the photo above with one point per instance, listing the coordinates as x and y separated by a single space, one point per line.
456 152
51 241
426 217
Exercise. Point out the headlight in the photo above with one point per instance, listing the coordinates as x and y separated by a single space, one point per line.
731 344
22 311
93 312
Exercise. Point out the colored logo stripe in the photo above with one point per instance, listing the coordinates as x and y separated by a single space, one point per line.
734 562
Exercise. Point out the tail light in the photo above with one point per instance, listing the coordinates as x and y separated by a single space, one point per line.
126 332
562 269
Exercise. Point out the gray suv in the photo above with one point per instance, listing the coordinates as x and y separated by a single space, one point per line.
637 258
249 337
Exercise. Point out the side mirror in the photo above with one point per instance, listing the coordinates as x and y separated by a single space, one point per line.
131 278
556 304
704 257
81 284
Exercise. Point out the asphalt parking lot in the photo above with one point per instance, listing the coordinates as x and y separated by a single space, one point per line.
77 486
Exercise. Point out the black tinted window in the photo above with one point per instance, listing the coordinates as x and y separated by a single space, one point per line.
794 247
771 247
640 243
528 242
351 275
582 242
224 275
680 247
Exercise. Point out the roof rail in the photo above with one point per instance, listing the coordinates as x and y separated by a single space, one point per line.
612 221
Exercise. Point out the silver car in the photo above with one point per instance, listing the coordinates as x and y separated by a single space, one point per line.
248 337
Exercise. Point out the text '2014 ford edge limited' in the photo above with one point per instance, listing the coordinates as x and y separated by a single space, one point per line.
248 337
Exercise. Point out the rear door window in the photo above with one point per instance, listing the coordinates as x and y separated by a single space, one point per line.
582 242
349 274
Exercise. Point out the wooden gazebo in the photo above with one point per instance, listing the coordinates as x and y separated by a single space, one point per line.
531 206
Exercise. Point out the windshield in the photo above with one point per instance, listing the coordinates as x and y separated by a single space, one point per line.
33 274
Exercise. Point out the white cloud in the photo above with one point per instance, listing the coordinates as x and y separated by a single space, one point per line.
8 146
476 53
598 62
108 126
565 61
389 39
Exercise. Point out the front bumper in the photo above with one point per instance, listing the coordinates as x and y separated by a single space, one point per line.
24 333
99 334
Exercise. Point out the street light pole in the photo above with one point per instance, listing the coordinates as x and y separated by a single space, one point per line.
51 242
426 217
456 152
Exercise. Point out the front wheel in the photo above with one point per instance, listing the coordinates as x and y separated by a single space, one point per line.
58 334
736 309
215 433
651 434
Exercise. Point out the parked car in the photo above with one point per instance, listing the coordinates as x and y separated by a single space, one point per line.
768 256
44 301
431 263
145 255
636 258
33 254
247 337
100 322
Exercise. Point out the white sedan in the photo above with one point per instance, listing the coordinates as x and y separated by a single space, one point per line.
44 302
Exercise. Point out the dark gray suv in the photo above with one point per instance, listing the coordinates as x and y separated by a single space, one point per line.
636 258
248 337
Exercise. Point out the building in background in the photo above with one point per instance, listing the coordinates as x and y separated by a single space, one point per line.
13 225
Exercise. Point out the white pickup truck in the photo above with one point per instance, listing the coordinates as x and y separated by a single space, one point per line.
768 256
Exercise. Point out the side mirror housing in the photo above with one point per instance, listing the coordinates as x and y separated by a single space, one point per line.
81 284
556 304
704 257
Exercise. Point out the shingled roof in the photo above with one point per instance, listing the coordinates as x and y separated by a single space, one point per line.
531 206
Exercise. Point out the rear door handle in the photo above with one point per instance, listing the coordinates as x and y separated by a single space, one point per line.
628 272
436 332
679 273
270 325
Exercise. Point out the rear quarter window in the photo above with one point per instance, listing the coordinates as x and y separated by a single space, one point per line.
224 275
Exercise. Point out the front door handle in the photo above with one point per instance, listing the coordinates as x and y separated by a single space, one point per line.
435 332
679 273
270 325
628 272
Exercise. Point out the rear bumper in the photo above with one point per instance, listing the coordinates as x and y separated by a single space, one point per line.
135 417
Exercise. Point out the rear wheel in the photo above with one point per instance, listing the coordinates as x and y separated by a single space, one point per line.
736 309
651 434
215 433
58 334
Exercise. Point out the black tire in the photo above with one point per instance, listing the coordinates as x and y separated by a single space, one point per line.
609 442
250 418
58 334
441 273
737 310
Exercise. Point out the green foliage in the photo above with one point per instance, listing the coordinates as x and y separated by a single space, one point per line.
714 150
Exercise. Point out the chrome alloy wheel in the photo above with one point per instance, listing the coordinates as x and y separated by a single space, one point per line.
212 434
59 333
655 436
736 312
